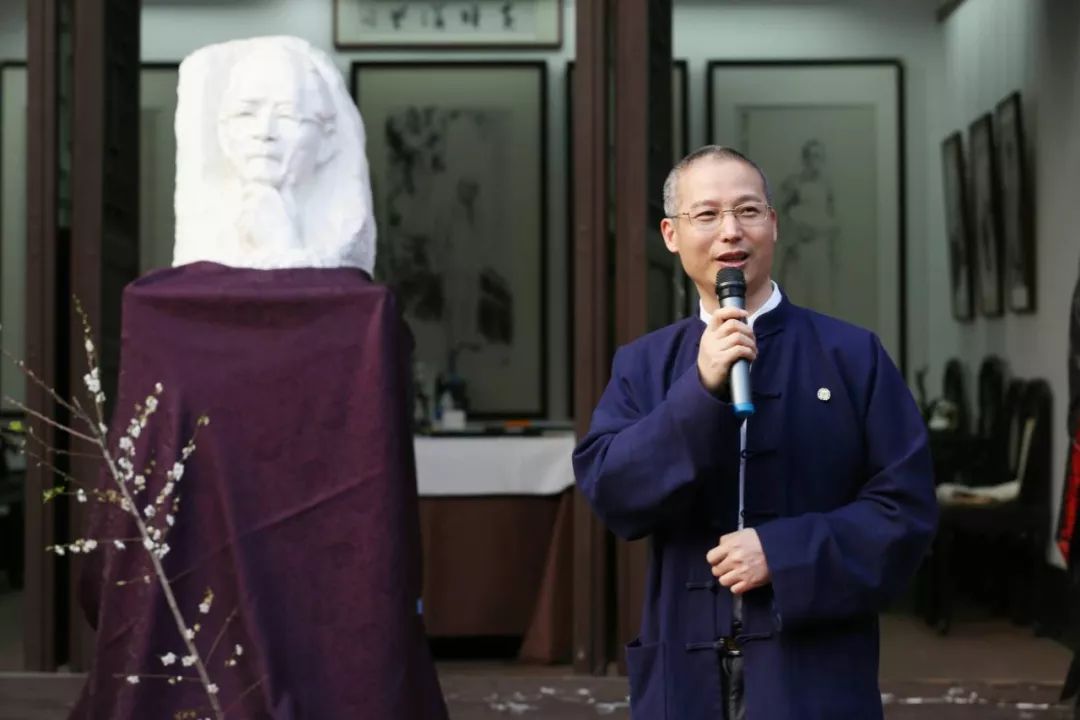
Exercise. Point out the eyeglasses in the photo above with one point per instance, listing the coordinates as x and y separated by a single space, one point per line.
747 215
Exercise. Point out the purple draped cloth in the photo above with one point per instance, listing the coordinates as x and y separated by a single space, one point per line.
298 508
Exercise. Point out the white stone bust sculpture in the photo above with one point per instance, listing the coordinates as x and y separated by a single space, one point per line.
270 164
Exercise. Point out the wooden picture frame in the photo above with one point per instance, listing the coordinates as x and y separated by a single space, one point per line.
958 228
1017 212
986 216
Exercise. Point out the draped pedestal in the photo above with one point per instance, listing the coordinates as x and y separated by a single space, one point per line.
298 507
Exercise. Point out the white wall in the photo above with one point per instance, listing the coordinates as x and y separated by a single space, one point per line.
173 28
993 47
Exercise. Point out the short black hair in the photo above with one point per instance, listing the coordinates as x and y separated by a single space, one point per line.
718 152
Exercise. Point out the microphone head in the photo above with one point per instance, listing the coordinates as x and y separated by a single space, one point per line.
730 282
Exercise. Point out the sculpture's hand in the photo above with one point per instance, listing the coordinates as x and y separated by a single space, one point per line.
265 221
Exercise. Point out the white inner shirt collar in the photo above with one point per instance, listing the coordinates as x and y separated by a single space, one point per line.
772 302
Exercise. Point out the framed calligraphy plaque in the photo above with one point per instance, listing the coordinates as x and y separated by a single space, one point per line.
450 24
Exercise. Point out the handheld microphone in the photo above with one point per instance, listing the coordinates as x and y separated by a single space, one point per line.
731 292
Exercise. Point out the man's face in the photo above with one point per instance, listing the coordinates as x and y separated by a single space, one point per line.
712 184
267 125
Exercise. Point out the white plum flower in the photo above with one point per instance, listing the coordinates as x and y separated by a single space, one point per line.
119 544
170 520
212 689
126 444
189 634
151 403
149 511
134 429
187 660
89 346
177 471
163 550
158 388
140 481
238 651
90 544
148 543
204 607
168 658
167 490
92 381
133 679
58 549
81 495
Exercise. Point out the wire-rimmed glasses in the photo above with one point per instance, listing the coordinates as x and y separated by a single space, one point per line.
747 214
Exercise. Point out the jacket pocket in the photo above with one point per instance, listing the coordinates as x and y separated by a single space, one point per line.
645 669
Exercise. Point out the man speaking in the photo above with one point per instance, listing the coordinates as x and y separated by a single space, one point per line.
776 539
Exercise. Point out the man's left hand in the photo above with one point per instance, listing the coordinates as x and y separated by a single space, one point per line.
739 562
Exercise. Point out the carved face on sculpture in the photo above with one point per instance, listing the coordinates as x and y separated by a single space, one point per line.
276 118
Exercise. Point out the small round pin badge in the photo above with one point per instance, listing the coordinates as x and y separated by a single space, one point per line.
823 394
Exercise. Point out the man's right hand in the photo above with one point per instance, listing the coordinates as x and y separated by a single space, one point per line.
727 338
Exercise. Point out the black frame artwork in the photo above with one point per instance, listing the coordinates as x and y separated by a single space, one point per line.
830 135
458 161
958 228
1017 216
986 217
447 25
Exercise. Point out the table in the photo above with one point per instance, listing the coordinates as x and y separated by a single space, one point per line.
496 526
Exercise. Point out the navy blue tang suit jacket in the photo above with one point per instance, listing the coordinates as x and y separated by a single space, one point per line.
840 492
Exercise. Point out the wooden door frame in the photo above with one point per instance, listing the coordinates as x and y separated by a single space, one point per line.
617 49
642 159
592 338
42 251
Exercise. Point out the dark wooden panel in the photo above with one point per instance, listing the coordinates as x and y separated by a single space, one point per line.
42 162
640 170
592 329
105 219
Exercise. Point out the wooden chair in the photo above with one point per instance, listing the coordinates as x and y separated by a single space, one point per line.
1014 532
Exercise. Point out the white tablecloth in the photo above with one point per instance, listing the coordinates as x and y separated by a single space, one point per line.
452 466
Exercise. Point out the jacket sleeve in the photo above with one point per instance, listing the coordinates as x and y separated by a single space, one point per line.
853 560
642 469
